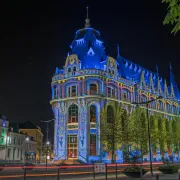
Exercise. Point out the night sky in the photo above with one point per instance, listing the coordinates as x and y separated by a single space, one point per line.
35 38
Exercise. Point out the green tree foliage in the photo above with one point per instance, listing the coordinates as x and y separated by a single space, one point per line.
162 133
154 132
176 133
173 15
133 130
138 129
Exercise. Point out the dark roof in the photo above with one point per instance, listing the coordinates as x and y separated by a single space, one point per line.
27 125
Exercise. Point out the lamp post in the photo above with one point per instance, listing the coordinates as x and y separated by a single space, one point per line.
26 140
47 144
47 128
149 134
47 133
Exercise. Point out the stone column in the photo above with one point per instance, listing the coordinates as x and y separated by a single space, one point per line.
61 132
83 131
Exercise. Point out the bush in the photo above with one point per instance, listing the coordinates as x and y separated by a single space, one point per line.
169 169
134 169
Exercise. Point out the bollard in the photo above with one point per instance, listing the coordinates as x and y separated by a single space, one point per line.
157 177
58 172
179 177
106 171
93 172
24 172
116 171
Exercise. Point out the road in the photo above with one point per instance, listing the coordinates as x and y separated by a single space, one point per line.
71 172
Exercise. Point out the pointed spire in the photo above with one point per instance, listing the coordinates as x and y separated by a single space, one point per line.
118 50
174 87
151 83
157 70
159 90
87 21
165 88
172 80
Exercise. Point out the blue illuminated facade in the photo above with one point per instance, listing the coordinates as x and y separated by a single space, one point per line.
90 79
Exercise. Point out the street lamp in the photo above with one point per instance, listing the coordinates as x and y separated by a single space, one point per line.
26 140
47 128
47 144
149 135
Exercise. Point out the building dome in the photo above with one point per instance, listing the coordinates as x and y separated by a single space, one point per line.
89 48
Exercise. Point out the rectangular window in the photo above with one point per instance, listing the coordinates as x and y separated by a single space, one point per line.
73 90
69 69
74 69
124 96
8 154
92 144
72 146
18 153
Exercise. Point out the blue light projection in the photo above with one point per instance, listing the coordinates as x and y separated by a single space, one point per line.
91 77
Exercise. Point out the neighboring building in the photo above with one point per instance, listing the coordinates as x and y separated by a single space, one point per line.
15 146
34 131
91 79
4 124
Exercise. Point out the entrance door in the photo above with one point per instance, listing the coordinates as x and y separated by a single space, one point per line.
72 146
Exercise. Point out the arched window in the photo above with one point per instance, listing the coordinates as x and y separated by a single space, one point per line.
152 104
168 110
174 109
111 92
93 89
73 114
110 114
126 95
55 92
92 113
160 105
72 91
143 99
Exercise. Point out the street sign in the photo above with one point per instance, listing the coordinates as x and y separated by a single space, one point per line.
99 167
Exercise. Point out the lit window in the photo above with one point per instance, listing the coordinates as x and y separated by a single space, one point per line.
93 89
92 113
72 91
69 69
124 96
111 92
73 114
92 144
74 69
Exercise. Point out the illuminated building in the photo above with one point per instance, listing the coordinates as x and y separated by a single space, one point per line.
91 78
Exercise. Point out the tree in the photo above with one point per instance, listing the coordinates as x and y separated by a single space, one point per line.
176 133
154 132
173 15
111 133
162 133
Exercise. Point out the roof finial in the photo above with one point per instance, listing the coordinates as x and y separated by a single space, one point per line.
87 24
87 12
